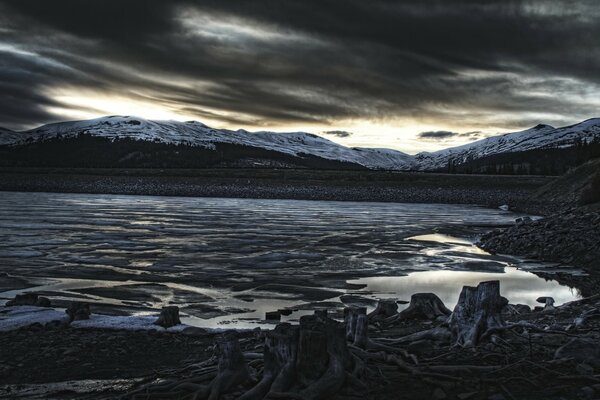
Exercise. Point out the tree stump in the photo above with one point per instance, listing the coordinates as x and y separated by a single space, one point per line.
478 310
424 306
385 308
78 311
309 361
169 316
351 315
361 332
232 369
25 299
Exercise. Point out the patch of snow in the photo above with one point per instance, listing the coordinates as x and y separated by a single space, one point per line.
129 322
16 317
301 144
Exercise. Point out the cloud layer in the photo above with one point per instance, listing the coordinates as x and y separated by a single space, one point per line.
472 64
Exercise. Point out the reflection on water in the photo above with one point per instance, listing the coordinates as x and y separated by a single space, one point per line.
227 261
518 286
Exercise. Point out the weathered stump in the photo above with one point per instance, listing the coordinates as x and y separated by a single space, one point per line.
478 310
309 361
272 316
169 316
232 369
25 299
361 332
422 306
351 315
78 311
385 308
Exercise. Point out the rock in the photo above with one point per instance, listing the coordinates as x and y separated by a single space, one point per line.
43 302
581 350
169 316
194 331
272 316
523 220
25 299
78 310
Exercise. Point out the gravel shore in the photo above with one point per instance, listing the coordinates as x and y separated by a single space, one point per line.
492 191
571 237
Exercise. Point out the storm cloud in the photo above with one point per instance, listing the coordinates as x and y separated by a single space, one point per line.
443 135
473 63
341 134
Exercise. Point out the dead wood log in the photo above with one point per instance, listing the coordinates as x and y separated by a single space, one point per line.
422 306
478 310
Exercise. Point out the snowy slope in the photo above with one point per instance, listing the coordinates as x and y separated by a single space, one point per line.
197 134
300 143
541 136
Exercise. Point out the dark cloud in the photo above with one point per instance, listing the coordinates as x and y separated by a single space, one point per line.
341 134
437 135
443 135
268 62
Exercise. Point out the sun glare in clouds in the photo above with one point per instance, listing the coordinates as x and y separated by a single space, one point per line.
398 134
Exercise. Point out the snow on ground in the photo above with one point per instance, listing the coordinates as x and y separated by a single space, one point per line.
194 133
540 136
16 317
197 134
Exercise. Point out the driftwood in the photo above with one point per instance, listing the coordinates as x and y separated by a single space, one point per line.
478 310
321 358
309 361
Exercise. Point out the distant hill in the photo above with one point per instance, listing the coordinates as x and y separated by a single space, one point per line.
118 141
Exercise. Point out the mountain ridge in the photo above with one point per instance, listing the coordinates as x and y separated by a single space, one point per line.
302 144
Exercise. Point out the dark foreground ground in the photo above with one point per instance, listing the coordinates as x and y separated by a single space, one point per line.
550 354
491 190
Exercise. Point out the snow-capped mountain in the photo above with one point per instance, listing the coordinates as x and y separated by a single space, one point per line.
299 145
197 134
538 137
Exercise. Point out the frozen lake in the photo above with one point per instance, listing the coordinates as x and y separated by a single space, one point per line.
227 261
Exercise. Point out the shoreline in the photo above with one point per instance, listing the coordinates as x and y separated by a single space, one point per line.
360 186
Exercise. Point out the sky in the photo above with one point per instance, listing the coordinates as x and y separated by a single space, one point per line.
414 75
